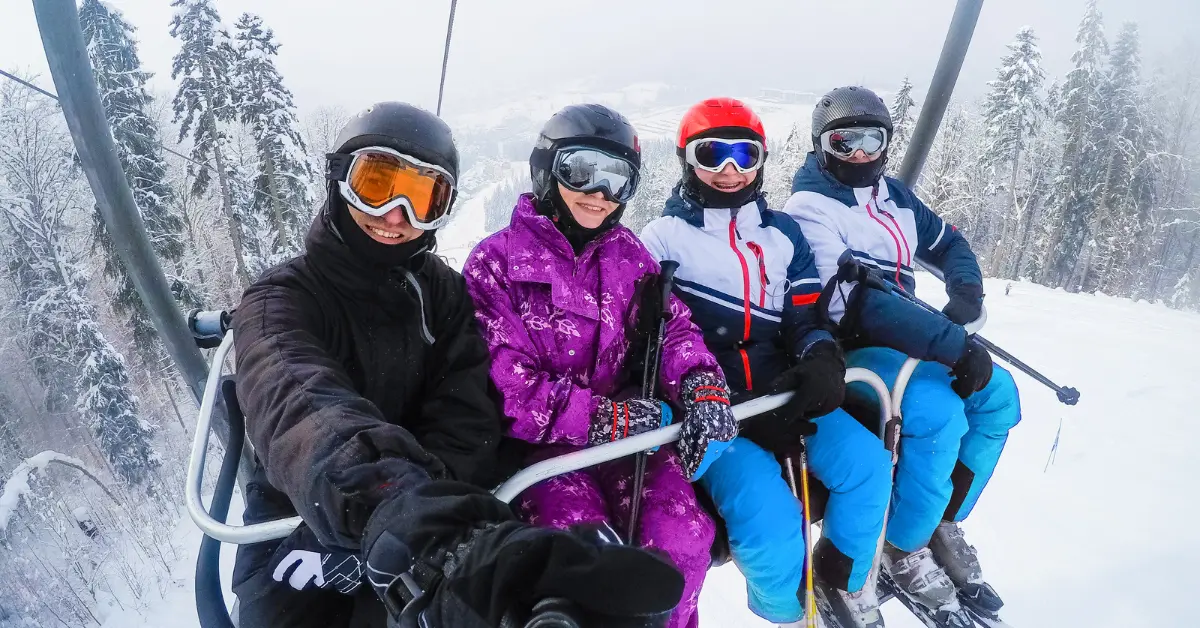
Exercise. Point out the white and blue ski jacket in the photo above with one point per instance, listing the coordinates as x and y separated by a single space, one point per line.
750 281
885 227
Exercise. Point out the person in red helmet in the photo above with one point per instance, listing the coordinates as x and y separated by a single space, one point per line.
750 280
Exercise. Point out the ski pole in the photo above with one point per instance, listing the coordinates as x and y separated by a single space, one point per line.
810 597
850 269
666 279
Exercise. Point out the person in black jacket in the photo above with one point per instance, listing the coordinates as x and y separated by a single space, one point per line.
365 384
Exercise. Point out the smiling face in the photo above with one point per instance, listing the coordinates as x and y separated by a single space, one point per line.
390 228
727 180
589 210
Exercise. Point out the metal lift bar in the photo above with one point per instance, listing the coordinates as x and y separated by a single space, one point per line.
62 38
507 492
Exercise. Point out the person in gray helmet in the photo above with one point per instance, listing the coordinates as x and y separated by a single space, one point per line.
958 407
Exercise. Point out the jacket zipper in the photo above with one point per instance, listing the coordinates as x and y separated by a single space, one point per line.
899 255
763 282
734 236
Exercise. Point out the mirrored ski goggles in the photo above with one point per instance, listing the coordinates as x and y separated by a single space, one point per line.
376 180
712 153
588 170
845 142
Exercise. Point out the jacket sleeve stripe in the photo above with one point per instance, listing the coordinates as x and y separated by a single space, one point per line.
939 238
754 311
805 299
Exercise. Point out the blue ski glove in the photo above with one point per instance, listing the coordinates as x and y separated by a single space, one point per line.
708 423
614 420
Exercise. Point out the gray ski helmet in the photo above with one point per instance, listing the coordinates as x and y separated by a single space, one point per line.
402 127
590 125
850 106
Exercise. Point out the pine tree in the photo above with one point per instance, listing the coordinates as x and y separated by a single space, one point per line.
782 163
1073 203
8 423
122 85
904 118
203 101
71 356
1013 114
1127 187
266 107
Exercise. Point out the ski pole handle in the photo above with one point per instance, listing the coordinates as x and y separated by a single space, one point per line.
667 283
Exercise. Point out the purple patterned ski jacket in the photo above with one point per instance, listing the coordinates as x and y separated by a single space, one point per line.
555 324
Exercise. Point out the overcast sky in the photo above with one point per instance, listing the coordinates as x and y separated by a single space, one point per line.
353 52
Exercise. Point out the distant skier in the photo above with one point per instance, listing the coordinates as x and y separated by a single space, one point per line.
364 381
559 294
748 276
958 407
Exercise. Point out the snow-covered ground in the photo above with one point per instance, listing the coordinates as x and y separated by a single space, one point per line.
1103 537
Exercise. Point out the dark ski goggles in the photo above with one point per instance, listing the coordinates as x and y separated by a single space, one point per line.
587 170
712 153
843 143
376 180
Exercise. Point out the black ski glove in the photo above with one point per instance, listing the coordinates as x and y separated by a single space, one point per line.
973 370
966 304
819 381
615 420
473 563
708 423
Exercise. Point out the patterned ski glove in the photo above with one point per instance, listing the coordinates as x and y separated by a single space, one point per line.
614 420
973 370
708 423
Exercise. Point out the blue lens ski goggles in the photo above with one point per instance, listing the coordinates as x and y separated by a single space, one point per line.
712 153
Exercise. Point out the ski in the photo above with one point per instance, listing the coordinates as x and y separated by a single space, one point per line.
984 619
888 589
830 607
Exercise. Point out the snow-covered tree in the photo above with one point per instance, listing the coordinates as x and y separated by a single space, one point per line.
122 85
283 176
783 160
72 357
1124 142
1074 202
203 68
904 119
659 173
1013 114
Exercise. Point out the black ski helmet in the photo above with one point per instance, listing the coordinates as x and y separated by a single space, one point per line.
409 130
591 126
846 107
402 127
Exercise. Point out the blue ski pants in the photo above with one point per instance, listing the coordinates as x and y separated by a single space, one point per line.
766 522
949 446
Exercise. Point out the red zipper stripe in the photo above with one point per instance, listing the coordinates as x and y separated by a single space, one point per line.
894 239
745 296
804 299
746 368
907 251
762 272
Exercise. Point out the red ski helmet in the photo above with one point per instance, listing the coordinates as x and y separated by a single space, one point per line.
720 117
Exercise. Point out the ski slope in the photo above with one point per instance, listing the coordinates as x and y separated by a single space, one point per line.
1102 537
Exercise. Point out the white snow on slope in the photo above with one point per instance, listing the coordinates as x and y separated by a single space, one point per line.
1105 537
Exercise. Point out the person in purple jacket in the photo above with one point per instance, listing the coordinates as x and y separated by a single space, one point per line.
559 294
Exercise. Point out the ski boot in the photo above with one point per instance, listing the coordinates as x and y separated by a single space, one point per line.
919 578
961 563
861 607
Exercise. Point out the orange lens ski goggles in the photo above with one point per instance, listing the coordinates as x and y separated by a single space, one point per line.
377 180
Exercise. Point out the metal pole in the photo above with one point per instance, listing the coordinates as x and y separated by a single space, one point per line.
958 39
72 73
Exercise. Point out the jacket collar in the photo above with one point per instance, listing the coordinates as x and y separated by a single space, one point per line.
528 224
813 178
680 205
329 255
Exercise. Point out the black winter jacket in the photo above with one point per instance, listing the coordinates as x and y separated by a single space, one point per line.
342 365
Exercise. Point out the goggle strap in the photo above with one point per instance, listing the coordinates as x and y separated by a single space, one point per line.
337 166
